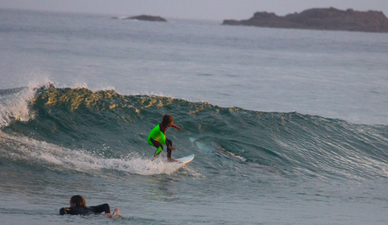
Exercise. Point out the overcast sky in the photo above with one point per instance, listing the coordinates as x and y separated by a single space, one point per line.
192 9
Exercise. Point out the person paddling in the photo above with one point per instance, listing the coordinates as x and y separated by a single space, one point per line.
78 207
157 137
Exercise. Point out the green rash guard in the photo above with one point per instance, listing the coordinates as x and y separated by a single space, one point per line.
157 135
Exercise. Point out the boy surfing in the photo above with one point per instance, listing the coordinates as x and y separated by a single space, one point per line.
157 137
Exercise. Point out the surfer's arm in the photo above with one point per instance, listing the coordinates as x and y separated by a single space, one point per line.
176 127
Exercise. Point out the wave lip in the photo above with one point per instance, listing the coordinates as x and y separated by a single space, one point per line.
15 102
14 105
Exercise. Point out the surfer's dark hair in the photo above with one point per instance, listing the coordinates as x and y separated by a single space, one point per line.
167 120
77 200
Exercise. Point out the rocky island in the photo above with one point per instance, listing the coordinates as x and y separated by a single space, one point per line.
320 19
146 18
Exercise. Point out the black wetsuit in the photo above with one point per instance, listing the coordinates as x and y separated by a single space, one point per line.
79 210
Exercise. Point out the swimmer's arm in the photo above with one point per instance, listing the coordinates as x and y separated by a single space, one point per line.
64 211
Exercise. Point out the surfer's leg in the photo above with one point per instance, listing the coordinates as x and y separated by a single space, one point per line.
169 149
159 147
158 150
116 212
100 208
169 145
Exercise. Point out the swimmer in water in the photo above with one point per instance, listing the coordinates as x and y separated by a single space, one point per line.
78 207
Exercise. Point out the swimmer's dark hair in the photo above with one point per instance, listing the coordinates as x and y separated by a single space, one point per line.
167 120
77 200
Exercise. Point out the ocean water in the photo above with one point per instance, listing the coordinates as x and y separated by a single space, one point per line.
287 126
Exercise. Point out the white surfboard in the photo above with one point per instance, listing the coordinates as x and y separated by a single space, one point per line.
186 159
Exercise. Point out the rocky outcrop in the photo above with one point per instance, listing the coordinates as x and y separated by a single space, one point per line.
146 18
321 19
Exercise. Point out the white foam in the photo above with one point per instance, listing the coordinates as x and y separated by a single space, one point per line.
59 158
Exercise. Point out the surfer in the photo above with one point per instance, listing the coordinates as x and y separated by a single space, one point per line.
78 207
157 137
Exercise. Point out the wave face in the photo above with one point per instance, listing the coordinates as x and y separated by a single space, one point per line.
76 129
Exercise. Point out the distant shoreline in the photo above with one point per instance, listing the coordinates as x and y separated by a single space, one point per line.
319 19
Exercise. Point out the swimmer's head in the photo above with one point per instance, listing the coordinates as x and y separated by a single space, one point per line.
77 200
